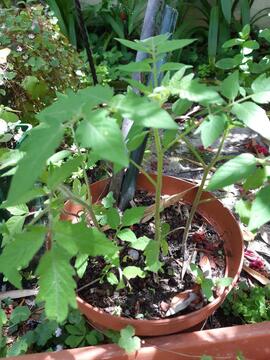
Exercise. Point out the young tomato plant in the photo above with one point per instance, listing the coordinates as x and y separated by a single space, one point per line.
93 117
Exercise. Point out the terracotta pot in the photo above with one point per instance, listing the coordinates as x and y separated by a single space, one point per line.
225 225
251 340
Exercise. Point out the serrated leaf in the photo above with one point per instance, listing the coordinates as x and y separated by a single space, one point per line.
112 279
133 216
20 314
102 135
254 117
134 45
230 86
108 200
24 198
256 180
260 209
141 243
81 264
94 337
194 91
60 174
181 106
211 128
232 171
261 89
144 112
113 218
243 209
151 253
18 210
72 105
171 45
127 235
140 66
131 272
128 341
10 158
19 252
78 237
39 145
172 66
19 347
207 286
56 283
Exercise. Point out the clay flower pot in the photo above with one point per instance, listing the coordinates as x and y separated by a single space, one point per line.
217 215
225 343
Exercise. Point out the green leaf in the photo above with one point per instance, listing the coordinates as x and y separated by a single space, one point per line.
151 253
197 272
171 66
171 45
134 45
211 128
18 210
56 283
176 80
260 209
20 314
181 106
10 158
45 331
256 180
232 42
243 209
168 137
113 218
226 63
131 272
81 264
133 216
39 146
78 237
71 106
102 135
224 282
108 200
127 235
226 6
128 341
207 286
245 17
230 86
265 34
112 279
134 141
251 44
140 66
141 243
94 337
144 112
233 171
60 174
254 117
3 318
192 90
19 347
261 89
20 251
74 340
24 198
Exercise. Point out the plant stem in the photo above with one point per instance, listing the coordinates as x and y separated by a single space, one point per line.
69 195
158 185
194 151
89 195
199 193
39 216
151 180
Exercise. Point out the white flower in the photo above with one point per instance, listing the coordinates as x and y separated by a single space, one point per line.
19 49
58 332
59 347
31 36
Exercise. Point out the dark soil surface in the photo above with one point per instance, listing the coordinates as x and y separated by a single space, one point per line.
150 297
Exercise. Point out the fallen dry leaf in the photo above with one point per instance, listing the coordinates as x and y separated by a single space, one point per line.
247 235
256 275
181 301
205 265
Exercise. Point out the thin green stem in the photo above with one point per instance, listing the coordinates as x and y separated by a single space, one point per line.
158 186
151 180
69 195
199 193
194 151
180 137
89 195
39 216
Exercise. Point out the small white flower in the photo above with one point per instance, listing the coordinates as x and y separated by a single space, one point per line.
59 347
19 49
31 36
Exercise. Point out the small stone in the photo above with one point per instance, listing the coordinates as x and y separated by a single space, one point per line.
133 254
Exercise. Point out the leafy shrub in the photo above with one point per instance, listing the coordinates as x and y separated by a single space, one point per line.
40 63
250 304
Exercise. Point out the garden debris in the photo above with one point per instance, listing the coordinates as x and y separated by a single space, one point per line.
247 235
205 265
180 302
17 294
256 275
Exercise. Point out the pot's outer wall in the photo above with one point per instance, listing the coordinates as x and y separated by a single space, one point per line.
253 341
223 222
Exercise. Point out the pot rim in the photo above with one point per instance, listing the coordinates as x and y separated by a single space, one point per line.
190 315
